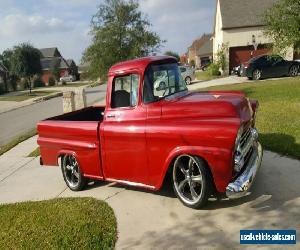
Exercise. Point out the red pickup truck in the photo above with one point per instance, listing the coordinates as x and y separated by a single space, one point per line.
153 128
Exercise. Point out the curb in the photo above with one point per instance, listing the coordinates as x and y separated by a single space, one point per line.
33 101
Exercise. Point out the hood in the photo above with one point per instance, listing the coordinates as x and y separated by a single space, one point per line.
212 104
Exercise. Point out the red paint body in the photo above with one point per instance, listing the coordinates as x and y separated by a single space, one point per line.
138 145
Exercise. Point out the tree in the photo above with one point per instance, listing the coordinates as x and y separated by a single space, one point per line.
54 69
283 25
26 62
119 32
6 60
174 54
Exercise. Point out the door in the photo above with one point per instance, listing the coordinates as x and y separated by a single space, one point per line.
124 132
279 66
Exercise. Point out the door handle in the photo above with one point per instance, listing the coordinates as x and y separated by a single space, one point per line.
110 116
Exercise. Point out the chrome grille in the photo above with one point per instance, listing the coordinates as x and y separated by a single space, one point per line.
243 149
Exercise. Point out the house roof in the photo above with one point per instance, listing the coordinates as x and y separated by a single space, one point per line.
50 52
238 14
70 62
200 41
47 62
206 48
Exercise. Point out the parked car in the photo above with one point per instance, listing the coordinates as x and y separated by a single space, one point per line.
266 66
204 142
188 74
69 78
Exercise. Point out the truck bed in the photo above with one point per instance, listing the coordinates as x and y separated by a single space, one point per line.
73 133
86 114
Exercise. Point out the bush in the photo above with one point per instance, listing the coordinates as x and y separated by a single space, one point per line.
213 69
51 81
24 84
38 82
2 89
63 82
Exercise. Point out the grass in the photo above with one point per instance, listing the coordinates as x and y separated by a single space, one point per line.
25 96
278 119
35 153
71 223
204 76
17 140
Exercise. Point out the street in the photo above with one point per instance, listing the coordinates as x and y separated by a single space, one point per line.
19 121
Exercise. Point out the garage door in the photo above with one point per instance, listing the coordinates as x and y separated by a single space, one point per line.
239 55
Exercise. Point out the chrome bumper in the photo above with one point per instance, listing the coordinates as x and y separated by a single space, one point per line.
240 187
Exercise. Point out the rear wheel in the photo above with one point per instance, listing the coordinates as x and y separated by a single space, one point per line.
293 70
191 181
188 80
256 75
72 174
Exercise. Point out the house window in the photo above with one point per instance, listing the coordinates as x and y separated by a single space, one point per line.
125 91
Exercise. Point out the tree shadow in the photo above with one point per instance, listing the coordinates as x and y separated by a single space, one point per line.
283 144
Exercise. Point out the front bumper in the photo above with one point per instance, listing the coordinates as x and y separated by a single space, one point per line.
240 186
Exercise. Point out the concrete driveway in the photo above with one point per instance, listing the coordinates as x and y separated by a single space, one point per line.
148 220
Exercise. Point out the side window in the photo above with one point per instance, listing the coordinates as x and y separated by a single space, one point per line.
182 69
125 91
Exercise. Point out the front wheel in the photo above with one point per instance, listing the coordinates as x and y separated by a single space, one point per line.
72 174
191 181
256 75
293 71
188 80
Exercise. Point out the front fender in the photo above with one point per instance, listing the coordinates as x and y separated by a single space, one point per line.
219 161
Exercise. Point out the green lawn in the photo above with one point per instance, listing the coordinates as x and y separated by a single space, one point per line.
17 140
35 153
278 117
25 96
72 223
204 76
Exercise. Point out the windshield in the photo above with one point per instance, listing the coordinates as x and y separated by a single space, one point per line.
161 81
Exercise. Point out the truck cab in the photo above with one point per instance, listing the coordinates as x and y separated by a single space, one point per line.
153 128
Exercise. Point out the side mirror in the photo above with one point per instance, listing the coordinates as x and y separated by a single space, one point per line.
162 86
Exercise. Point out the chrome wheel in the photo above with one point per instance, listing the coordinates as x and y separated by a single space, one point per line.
256 74
71 171
294 71
188 80
188 179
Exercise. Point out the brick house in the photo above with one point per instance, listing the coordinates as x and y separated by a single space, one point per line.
50 57
239 25
193 49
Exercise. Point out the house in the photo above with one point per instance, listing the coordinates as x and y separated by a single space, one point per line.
183 59
239 25
51 57
3 74
205 53
73 67
193 50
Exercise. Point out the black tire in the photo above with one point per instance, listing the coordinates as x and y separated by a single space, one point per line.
204 188
293 71
70 166
256 74
188 80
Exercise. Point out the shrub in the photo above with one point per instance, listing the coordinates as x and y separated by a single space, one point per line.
63 82
38 82
51 81
213 69
2 89
24 84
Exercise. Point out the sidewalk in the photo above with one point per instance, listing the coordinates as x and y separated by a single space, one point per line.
6 106
149 220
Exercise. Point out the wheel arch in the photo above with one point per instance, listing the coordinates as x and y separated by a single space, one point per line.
187 150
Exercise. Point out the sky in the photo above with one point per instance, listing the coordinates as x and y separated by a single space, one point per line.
65 24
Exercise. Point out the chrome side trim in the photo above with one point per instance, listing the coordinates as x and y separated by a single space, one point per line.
242 184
